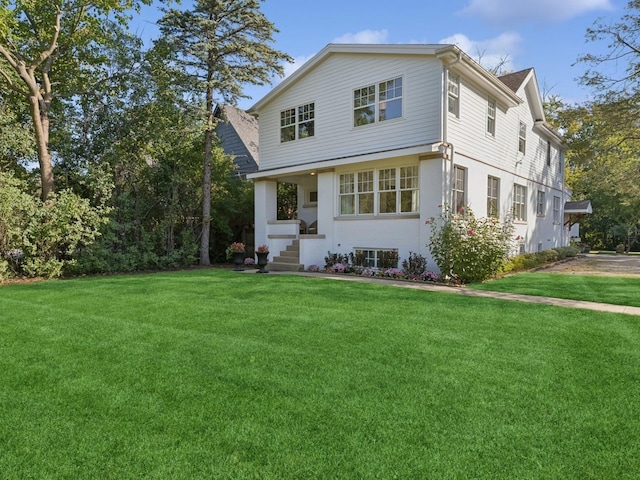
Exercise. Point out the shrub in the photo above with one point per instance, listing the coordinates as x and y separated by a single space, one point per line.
414 266
468 249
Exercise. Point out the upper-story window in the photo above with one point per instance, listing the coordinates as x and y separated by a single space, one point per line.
453 88
548 153
296 123
491 117
522 138
377 102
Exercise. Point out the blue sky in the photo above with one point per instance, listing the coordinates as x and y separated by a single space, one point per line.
548 35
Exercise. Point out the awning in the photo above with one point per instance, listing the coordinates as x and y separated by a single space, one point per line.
574 210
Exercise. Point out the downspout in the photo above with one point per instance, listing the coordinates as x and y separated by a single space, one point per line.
445 120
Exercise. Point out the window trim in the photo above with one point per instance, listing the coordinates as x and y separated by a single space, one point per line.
453 80
373 99
376 257
556 210
455 191
299 120
522 138
491 116
519 205
399 187
541 203
491 199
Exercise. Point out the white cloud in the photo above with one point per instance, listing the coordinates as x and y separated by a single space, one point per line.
489 52
365 36
509 11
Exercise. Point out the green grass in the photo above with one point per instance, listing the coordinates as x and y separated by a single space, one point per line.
214 374
592 288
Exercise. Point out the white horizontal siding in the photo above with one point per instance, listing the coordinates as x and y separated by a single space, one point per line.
330 86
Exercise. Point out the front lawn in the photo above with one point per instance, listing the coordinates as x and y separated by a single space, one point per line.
215 374
592 288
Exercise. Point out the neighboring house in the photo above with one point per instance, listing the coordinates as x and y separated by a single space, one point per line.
377 137
238 134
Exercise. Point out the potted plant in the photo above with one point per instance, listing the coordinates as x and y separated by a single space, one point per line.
235 252
263 254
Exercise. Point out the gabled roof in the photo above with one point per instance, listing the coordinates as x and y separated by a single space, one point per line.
515 80
583 206
525 84
449 54
245 144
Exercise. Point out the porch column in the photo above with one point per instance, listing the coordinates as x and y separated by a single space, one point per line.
266 208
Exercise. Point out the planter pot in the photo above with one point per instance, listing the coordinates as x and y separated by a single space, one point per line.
238 260
262 261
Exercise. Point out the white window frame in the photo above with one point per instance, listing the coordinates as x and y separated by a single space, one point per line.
519 203
453 93
373 256
401 181
522 138
491 116
493 196
300 120
375 101
459 188
556 209
540 203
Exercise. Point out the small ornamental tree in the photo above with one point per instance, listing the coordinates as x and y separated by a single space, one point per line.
469 249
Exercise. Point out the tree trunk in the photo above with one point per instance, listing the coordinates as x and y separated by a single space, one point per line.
206 199
40 117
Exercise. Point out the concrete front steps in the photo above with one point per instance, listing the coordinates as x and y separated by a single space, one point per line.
288 260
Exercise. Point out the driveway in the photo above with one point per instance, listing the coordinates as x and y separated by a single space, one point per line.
594 264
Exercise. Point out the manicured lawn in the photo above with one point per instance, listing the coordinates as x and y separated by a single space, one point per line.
592 288
215 374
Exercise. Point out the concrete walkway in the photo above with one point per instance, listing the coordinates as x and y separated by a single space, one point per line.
558 302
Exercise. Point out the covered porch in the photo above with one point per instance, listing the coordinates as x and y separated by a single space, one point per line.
294 243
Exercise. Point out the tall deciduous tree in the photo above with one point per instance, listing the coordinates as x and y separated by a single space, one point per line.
218 47
53 48
608 129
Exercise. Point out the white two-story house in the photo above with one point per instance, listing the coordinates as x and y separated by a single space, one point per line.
379 137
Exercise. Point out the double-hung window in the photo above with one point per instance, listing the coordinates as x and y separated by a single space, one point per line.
519 202
459 186
377 102
493 196
453 87
356 193
540 204
522 138
298 122
384 191
491 117
556 209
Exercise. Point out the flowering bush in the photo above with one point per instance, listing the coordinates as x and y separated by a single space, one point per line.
414 266
313 268
429 276
249 261
393 273
338 268
263 248
368 272
469 249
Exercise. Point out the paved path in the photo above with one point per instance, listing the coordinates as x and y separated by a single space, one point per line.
558 302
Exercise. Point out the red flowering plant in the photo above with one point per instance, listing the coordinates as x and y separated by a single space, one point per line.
263 249
469 249
235 247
